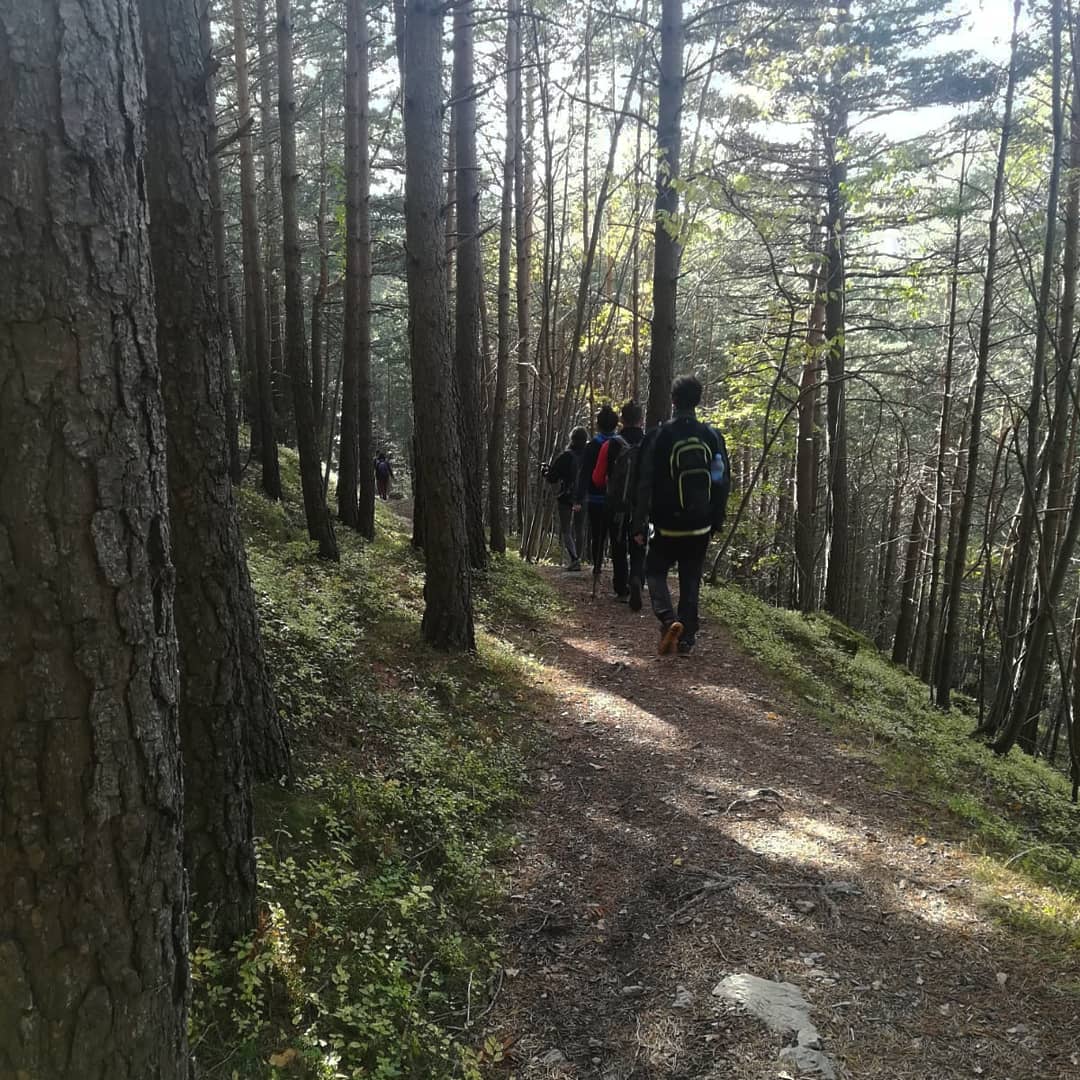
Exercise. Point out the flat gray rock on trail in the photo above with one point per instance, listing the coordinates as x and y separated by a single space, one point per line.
783 1009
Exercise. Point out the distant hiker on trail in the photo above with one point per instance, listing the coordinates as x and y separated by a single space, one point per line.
563 470
592 496
616 473
384 473
684 480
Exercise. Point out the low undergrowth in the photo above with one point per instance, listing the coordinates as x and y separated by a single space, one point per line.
379 872
1014 809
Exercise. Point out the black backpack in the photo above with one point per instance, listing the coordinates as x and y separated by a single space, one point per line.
620 482
690 466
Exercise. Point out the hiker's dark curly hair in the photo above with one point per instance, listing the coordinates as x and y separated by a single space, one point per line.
607 420
686 392
631 414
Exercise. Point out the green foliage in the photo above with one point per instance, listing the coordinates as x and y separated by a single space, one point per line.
1017 808
379 873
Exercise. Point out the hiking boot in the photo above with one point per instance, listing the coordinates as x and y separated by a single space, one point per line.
574 568
621 598
635 596
669 638
685 647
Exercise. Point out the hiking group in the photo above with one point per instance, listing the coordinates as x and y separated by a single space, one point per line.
653 501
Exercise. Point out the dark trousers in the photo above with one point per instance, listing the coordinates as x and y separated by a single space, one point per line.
627 558
598 536
664 553
571 530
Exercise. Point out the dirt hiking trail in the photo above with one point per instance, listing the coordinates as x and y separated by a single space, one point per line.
690 825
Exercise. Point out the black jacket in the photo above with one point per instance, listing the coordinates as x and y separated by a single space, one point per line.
564 471
586 491
657 501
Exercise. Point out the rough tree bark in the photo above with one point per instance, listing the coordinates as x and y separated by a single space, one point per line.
320 527
497 443
950 635
666 251
467 307
255 336
93 919
448 621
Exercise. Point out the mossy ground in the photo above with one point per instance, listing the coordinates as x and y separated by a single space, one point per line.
379 872
1013 810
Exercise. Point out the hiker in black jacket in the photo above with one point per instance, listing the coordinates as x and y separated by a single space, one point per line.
563 470
683 485
590 495
616 472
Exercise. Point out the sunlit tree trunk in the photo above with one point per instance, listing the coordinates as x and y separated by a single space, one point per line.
806 450
667 249
523 226
950 637
447 621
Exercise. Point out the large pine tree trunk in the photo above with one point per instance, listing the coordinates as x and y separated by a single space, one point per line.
255 335
320 528
223 687
93 920
497 443
950 635
467 309
667 250
448 621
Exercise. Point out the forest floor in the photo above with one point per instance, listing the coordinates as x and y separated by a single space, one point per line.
695 818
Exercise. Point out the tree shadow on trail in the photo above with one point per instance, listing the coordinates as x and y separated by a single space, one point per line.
642 880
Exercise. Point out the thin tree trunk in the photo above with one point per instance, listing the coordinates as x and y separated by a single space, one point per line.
666 254
806 452
272 208
905 625
258 345
93 897
1016 609
839 560
467 360
523 226
365 437
348 482
320 528
890 544
447 621
221 272
944 425
318 299
497 444
950 638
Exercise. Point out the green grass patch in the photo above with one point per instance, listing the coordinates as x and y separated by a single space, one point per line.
380 872
1014 809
